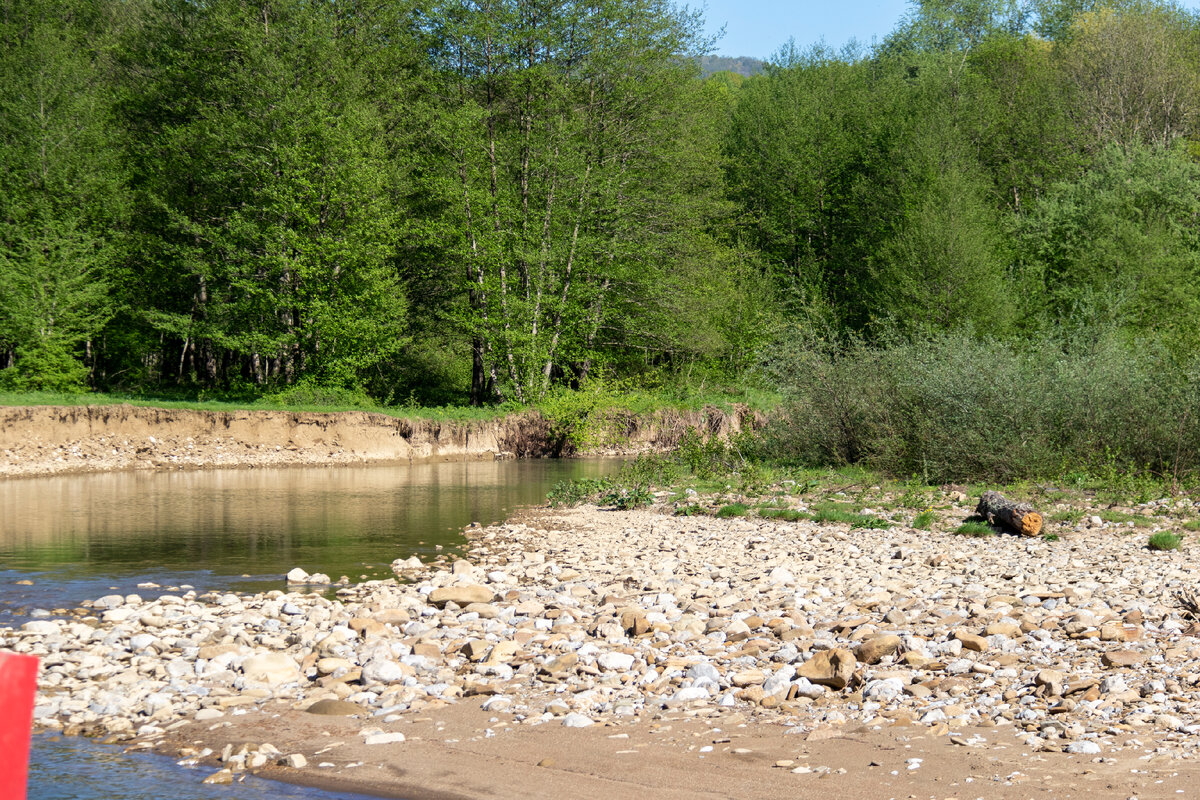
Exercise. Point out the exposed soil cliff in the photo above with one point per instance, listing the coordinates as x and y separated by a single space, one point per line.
43 440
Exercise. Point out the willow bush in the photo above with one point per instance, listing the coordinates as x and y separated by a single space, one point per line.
955 407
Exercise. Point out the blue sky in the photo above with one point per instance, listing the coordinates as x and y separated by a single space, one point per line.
758 27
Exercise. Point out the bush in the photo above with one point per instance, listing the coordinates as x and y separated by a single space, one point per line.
951 407
312 395
572 493
1164 541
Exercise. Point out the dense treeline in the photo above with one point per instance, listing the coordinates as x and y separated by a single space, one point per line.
483 200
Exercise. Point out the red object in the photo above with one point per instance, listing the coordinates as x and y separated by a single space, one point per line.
18 684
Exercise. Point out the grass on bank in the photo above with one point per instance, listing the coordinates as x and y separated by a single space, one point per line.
732 478
590 416
317 403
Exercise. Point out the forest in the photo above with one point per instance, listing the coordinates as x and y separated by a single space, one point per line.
978 235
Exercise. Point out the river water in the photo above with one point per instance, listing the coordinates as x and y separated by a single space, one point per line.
68 539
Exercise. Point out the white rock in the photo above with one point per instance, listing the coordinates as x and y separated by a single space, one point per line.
615 662
780 576
271 668
689 694
577 720
384 738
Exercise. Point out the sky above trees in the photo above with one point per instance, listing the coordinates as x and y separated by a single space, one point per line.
758 27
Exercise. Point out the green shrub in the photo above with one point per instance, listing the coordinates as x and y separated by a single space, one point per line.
581 490
1164 541
1193 525
924 520
626 498
312 395
954 407
975 529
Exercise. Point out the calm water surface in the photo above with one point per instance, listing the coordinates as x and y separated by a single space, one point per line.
80 537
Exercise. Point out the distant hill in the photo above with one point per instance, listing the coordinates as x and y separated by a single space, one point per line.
741 65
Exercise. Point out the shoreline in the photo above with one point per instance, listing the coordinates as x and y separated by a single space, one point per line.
660 636
38 441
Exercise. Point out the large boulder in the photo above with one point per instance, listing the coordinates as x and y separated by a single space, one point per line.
461 595
875 649
273 669
832 668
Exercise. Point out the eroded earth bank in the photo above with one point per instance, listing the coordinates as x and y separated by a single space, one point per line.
49 440
597 653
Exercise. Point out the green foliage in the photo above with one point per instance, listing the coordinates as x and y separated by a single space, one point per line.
1050 537
691 510
785 514
626 497
952 407
261 167
924 520
583 418
1164 541
62 203
838 514
733 510
1119 244
310 394
1192 525
917 494
572 493
970 241
975 529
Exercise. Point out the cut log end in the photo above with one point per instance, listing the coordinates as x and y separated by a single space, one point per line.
1020 518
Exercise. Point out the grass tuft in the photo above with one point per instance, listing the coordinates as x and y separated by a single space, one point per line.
733 510
839 516
786 514
975 529
692 510
1164 541
924 520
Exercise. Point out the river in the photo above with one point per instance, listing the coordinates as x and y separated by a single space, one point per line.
68 539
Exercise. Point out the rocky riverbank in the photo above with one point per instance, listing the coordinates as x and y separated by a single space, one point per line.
674 656
52 440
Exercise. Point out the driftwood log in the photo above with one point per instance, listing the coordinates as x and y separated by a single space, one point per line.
1016 517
